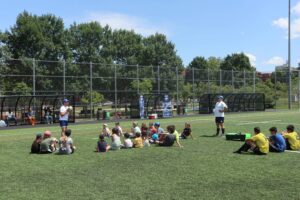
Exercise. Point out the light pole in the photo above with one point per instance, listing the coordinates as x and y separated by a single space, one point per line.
289 57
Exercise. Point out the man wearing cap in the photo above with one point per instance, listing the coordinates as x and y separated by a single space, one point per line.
219 110
64 116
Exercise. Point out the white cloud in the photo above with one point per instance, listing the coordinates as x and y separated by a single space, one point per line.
276 60
127 22
295 22
296 9
281 23
252 58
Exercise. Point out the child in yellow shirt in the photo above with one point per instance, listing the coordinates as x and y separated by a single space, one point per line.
258 143
291 138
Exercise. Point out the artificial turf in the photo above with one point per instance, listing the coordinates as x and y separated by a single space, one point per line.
205 168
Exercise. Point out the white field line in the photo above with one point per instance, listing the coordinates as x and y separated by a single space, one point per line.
261 122
289 151
74 128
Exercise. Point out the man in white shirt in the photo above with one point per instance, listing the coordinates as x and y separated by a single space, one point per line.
219 110
64 116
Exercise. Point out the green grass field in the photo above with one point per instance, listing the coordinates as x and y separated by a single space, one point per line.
205 168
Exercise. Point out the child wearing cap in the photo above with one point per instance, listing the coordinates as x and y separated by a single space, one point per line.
35 147
66 145
105 131
48 144
158 128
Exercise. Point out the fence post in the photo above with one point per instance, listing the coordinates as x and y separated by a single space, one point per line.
299 89
158 80
91 89
177 95
254 83
33 76
116 92
193 88
244 79
208 81
220 81
138 80
275 85
64 77
232 80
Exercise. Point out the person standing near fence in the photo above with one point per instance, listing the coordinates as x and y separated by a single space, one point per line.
219 110
64 116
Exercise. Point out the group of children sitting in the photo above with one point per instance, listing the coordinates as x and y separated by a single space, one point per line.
139 137
45 143
278 142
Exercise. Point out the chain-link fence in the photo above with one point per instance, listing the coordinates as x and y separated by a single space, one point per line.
114 87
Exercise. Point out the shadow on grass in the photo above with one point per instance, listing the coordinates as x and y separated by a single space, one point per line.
211 136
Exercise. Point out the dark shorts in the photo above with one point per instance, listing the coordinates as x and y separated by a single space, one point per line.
258 152
63 123
219 120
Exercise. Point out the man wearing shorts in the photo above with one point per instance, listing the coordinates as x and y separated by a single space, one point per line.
64 116
219 110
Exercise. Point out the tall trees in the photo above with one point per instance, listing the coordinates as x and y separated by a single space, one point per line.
236 62
39 37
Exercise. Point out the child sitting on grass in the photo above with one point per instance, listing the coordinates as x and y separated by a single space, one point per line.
105 131
135 129
144 129
151 129
115 140
102 146
187 131
168 139
258 143
145 139
35 147
48 144
291 138
66 143
127 141
138 142
118 126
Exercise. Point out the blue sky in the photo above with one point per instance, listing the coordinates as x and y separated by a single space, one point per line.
197 27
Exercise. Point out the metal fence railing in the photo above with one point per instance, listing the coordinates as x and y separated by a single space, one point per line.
117 84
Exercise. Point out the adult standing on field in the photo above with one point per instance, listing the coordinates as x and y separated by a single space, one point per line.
219 110
64 116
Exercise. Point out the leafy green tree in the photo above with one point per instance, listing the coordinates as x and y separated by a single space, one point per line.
144 86
39 38
97 98
90 42
161 54
197 68
21 88
214 63
236 62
